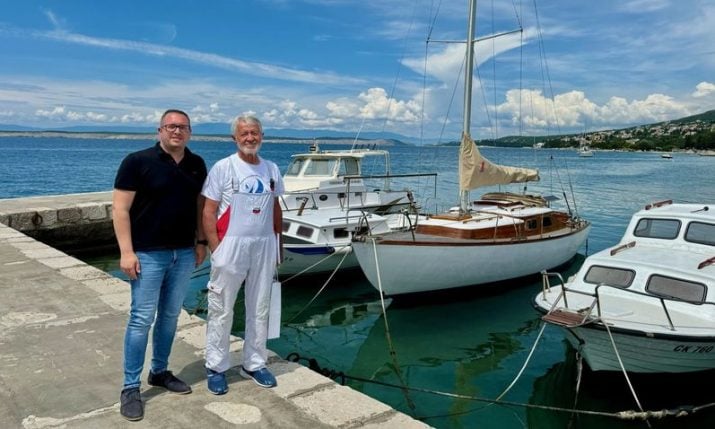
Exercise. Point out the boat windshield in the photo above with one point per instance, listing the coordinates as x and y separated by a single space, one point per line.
611 276
295 166
657 228
320 167
349 167
701 233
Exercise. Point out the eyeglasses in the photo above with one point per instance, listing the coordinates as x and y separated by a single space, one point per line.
173 127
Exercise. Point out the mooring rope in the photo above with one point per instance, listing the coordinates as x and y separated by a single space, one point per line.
206 269
388 336
320 290
680 411
526 362
623 368
316 264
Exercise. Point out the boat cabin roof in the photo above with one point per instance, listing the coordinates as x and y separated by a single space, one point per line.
320 168
668 250
691 226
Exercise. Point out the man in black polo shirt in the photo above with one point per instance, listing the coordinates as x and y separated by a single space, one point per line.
156 204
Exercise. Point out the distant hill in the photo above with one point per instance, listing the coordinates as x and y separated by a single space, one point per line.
522 141
223 130
708 116
6 127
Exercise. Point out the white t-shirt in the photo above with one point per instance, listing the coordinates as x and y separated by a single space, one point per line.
233 174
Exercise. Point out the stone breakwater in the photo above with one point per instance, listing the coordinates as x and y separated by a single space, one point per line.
72 222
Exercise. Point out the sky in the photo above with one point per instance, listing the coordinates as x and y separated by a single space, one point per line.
357 65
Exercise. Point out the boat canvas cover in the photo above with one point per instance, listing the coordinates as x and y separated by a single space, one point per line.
477 171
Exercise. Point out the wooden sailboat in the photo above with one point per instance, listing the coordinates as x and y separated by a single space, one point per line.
498 237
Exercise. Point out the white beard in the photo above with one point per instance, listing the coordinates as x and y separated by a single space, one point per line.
249 151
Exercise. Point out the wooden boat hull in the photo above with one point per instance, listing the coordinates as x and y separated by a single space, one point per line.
411 266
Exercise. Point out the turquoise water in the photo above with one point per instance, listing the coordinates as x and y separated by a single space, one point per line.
465 343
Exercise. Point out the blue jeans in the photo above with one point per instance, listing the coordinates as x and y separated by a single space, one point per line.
159 291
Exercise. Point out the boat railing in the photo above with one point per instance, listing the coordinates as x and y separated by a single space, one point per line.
662 300
346 218
363 224
388 177
311 196
558 316
596 295
546 286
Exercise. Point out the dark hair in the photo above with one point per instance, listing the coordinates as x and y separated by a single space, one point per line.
180 112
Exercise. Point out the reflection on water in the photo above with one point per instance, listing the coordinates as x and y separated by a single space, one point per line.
608 393
474 343
462 342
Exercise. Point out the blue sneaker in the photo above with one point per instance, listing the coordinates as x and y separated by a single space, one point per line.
217 382
261 377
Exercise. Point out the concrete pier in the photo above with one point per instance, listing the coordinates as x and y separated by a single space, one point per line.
61 346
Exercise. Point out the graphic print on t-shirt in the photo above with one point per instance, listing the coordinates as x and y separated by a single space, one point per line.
252 185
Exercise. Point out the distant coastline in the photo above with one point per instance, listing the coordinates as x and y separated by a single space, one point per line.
195 137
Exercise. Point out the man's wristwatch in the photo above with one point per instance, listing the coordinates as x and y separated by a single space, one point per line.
204 242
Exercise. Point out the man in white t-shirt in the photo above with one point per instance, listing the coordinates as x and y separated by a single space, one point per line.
243 220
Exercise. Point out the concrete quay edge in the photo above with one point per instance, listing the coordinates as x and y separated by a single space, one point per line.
61 341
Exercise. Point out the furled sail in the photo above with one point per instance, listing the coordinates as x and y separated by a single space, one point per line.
476 171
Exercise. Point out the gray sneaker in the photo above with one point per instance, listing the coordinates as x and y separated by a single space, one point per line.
132 407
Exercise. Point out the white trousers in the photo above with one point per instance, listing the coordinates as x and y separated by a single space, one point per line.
237 259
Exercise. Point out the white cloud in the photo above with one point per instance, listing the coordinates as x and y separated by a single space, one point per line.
98 117
57 23
60 34
574 110
290 114
643 6
378 105
372 105
57 112
343 108
703 89
135 117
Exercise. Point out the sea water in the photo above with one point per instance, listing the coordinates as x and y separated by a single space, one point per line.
448 355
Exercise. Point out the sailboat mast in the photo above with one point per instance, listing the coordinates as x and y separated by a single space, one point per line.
468 73
469 67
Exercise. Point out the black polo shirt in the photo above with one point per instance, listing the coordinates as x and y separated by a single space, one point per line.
163 213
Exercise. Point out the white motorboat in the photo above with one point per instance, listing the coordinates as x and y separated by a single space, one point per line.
585 152
647 304
326 197
498 237
318 240
333 178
